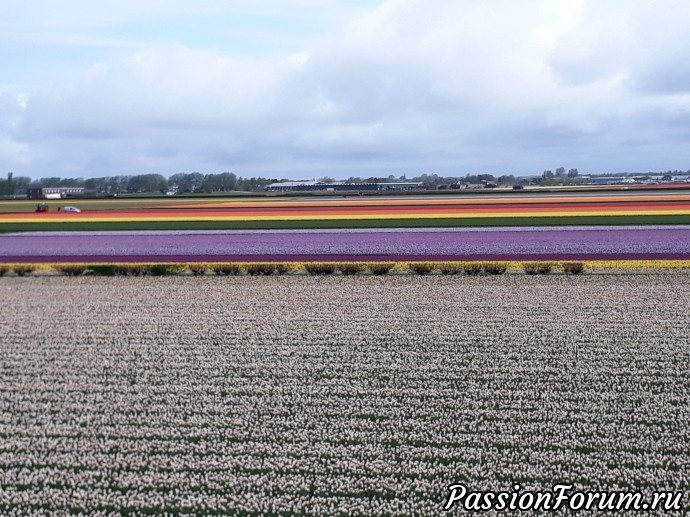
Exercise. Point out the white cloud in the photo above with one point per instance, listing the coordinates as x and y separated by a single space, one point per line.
407 86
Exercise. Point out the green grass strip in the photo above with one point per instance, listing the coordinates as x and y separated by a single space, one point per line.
348 223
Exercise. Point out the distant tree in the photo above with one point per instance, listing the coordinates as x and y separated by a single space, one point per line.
177 181
20 184
120 183
187 182
147 183
227 181
72 182
210 183
14 185
560 172
430 181
253 184
223 182
96 184
195 180
49 182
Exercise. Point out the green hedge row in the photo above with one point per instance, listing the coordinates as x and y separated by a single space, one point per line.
349 223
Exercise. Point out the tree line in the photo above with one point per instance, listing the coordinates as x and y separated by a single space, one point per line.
196 182
181 182
434 180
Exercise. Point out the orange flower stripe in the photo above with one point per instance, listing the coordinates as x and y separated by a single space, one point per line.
376 210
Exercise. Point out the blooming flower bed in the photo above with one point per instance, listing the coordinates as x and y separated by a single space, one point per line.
371 211
328 395
618 243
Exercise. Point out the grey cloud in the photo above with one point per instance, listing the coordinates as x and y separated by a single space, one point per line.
411 86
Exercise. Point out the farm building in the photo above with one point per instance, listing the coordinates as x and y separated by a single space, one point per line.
311 186
404 185
53 192
608 180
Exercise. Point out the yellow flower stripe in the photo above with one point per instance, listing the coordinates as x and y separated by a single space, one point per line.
397 266
636 264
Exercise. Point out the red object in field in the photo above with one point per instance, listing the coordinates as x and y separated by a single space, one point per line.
41 207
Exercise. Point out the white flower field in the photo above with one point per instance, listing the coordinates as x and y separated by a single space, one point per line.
337 395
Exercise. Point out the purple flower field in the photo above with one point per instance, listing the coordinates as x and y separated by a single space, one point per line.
417 244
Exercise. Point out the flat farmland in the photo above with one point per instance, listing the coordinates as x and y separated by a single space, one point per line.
337 395
365 212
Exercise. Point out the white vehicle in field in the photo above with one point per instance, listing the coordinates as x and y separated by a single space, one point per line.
71 209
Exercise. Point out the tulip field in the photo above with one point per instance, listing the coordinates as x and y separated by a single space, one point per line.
356 356
639 229
337 395
370 212
652 243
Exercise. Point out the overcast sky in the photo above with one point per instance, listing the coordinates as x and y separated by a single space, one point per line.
307 88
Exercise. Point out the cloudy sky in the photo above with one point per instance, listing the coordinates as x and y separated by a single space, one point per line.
306 88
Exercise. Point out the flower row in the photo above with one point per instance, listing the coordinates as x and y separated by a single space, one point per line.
334 395
510 244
